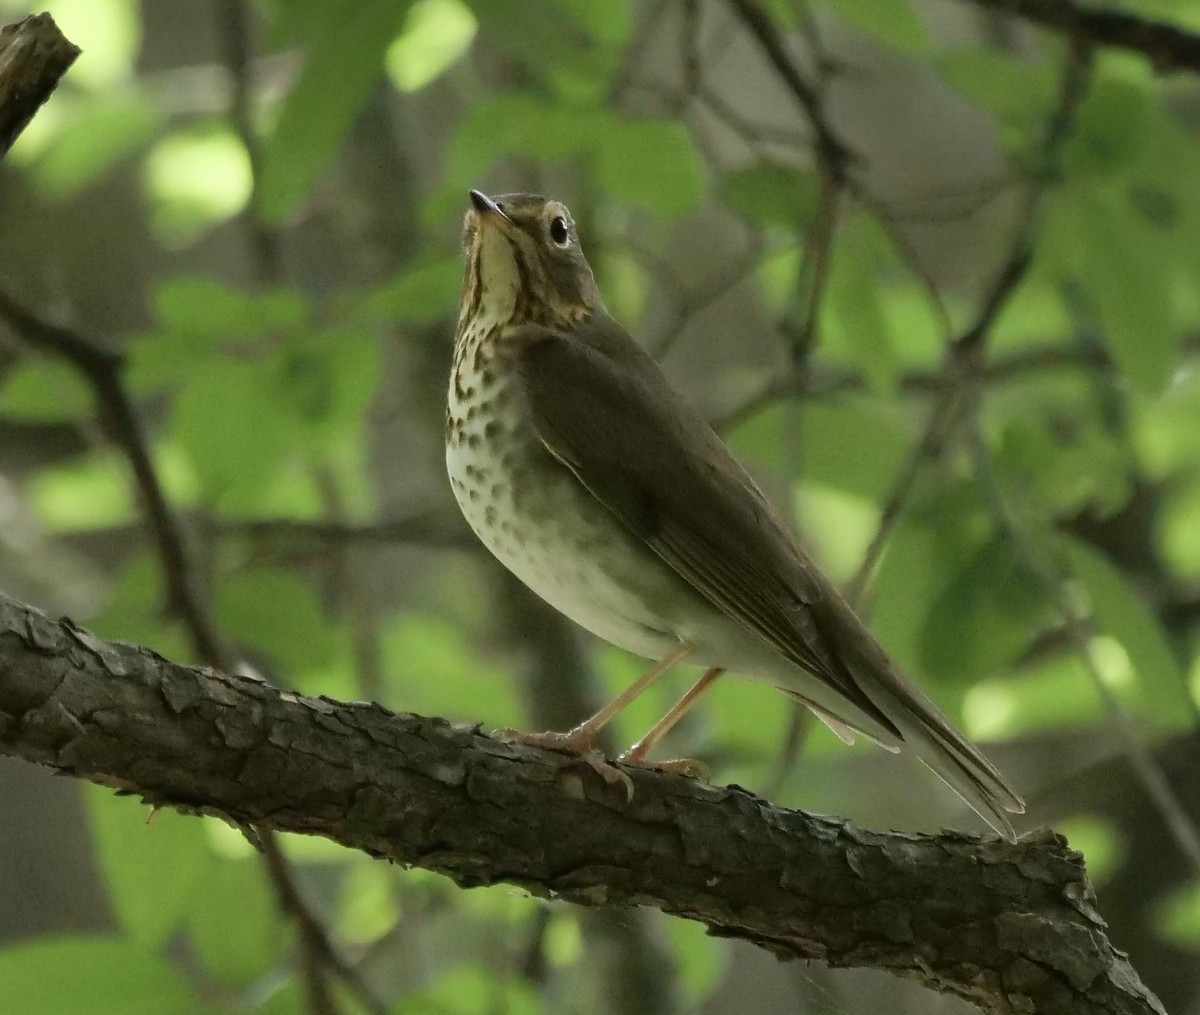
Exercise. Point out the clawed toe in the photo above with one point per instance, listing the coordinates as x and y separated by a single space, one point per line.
690 767
578 745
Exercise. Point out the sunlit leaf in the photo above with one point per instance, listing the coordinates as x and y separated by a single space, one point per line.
276 611
1099 839
651 164
1120 612
237 930
1178 917
93 135
49 977
771 194
889 21
90 493
1110 127
985 616
131 839
341 67
195 179
235 434
878 433
436 34
45 390
422 294
112 30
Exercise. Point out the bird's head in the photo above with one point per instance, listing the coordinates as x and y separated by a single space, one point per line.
524 264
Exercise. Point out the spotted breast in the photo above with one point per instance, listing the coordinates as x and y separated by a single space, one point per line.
533 514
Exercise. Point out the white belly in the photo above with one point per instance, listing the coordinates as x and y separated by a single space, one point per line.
552 562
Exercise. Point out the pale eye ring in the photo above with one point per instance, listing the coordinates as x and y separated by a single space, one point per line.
560 232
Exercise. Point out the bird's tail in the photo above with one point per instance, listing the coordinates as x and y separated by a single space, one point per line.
922 729
945 751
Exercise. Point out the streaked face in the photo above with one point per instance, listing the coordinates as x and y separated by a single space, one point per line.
524 264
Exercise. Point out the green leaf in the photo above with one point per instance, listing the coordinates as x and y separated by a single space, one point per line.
208 309
877 433
341 67
472 988
855 320
888 21
131 839
1157 683
427 658
436 35
231 424
195 178
102 975
1178 917
1099 839
97 134
1109 130
422 294
652 164
769 194
516 123
88 493
276 611
1132 294
236 928
45 390
985 617
702 958
1016 91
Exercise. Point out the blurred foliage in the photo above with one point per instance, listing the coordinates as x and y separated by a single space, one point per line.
272 389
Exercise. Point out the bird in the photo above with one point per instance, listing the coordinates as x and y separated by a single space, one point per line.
590 477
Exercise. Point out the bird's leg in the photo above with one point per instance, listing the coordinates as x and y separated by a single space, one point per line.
581 740
636 755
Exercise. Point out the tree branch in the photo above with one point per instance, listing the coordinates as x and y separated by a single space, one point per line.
1168 47
34 55
1010 927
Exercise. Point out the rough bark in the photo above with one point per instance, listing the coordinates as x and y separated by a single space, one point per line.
1011 927
34 54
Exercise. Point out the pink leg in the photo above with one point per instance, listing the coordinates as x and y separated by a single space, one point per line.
636 755
581 739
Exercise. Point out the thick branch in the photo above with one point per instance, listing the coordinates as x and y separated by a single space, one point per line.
1168 47
34 55
1009 926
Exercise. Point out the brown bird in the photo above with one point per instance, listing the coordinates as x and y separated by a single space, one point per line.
591 479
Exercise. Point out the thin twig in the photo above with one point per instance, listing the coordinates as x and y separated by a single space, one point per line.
102 370
963 363
34 55
318 955
1077 629
234 27
829 147
1167 46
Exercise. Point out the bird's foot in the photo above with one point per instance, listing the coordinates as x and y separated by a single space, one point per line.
579 743
691 767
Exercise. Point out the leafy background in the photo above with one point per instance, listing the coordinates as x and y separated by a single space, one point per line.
259 205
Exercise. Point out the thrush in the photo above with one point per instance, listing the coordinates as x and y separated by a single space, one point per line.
593 480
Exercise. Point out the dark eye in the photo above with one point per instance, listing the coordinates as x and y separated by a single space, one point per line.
559 232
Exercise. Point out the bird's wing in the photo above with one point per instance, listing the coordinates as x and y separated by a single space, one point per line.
603 408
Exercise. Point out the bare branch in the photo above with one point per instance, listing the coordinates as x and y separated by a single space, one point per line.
1168 47
1010 927
963 363
102 370
34 55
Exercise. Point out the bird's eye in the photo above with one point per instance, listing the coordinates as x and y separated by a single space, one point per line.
559 232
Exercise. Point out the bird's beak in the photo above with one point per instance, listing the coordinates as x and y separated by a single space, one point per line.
486 207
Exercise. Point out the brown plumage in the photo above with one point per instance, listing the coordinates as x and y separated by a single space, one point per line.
606 492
